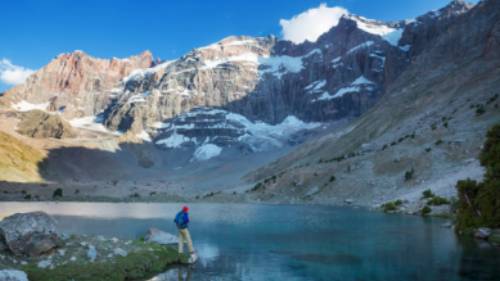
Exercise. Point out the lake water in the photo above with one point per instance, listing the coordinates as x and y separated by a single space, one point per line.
283 242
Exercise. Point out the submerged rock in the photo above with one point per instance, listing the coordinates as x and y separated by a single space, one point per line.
160 237
30 234
13 275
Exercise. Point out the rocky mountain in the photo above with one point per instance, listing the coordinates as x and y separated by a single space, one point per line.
74 84
361 97
424 133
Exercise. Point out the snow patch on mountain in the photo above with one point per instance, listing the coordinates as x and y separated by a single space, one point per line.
357 85
90 123
174 141
207 151
140 74
315 86
361 46
27 106
185 130
390 34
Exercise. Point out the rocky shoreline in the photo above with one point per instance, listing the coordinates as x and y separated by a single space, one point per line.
32 249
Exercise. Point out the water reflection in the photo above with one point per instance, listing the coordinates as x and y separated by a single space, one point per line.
175 274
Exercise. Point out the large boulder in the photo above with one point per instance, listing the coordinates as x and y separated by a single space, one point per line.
30 234
161 237
12 275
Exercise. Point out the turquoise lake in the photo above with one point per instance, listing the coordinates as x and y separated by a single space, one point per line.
290 242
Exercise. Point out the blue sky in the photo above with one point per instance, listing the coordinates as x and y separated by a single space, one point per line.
36 31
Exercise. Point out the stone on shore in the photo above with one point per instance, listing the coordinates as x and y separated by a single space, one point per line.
30 234
160 237
482 233
13 275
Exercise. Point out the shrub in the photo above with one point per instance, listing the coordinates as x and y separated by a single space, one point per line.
57 193
439 142
427 194
433 126
437 201
256 187
425 211
391 206
492 99
409 174
428 149
27 197
480 110
332 178
479 202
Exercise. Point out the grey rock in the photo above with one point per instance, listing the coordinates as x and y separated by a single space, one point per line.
91 253
120 252
30 234
482 233
13 275
161 237
348 201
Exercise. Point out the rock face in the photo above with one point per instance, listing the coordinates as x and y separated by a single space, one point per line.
40 124
340 75
160 237
75 83
222 128
263 79
13 275
427 112
30 234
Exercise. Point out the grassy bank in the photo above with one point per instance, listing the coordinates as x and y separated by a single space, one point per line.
139 261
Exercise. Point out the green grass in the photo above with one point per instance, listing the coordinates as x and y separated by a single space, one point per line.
138 265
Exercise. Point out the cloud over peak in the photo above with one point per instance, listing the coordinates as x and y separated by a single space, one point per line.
310 24
12 74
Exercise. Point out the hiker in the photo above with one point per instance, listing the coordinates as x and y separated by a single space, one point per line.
182 221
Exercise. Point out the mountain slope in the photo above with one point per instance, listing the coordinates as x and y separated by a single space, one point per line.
74 84
424 133
18 161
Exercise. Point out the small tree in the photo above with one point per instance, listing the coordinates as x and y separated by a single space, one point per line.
479 202
427 194
409 174
57 193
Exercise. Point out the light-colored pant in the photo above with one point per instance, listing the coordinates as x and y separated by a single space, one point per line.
185 237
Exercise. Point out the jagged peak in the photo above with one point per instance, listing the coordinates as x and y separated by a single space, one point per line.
79 54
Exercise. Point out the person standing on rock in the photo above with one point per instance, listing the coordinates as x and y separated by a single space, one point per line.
182 221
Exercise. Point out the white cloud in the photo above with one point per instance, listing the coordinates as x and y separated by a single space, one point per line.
309 25
13 74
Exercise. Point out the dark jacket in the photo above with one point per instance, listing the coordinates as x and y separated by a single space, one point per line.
182 220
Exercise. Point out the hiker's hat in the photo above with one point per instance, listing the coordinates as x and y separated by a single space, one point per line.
185 208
